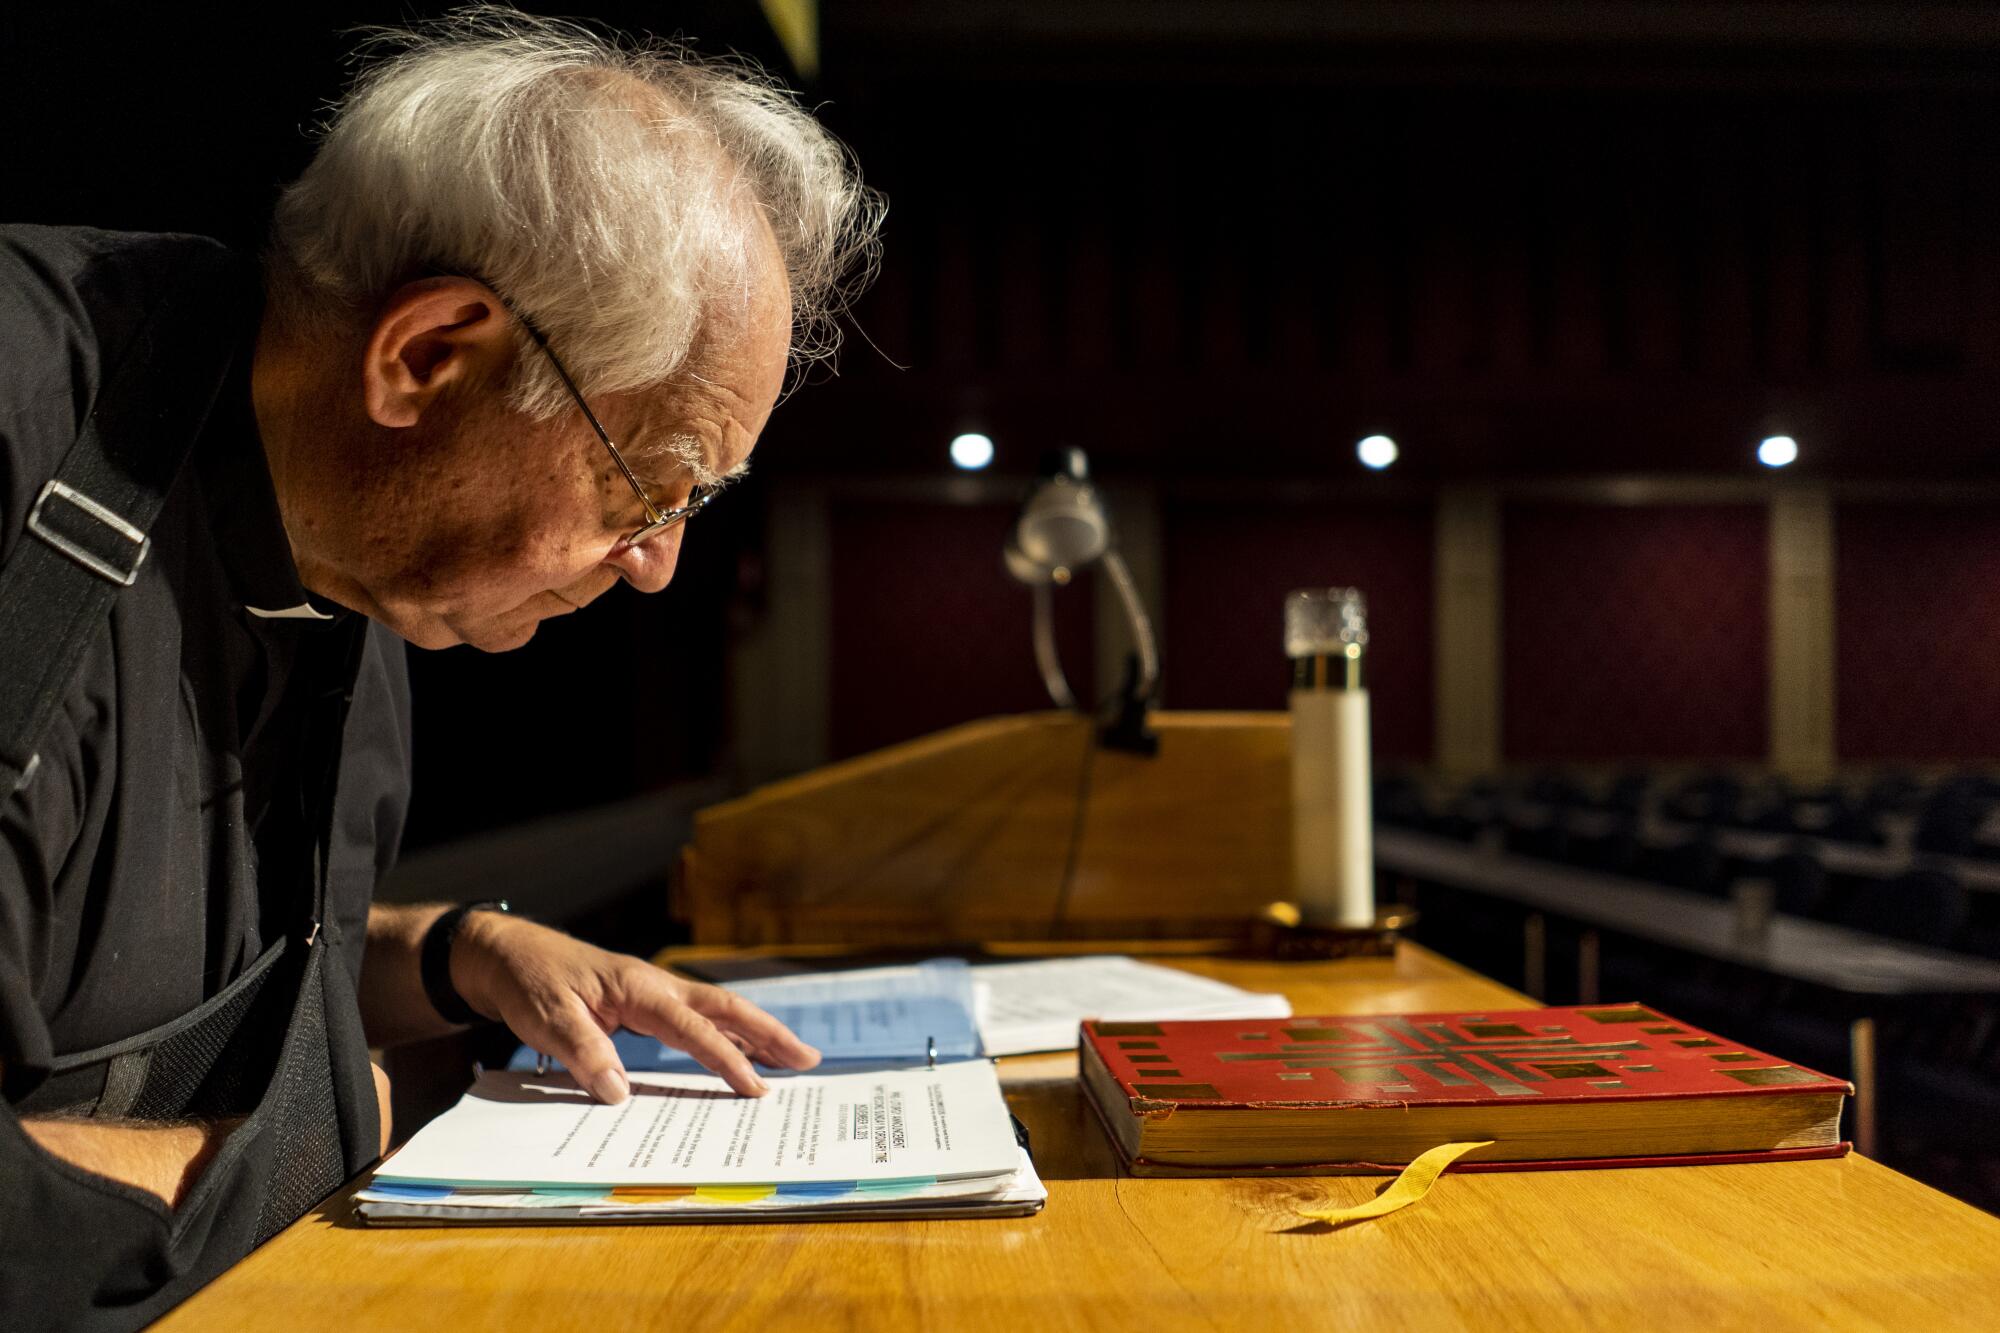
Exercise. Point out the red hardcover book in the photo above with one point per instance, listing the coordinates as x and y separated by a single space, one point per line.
1593 1085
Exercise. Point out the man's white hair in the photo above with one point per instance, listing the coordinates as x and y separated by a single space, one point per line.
603 187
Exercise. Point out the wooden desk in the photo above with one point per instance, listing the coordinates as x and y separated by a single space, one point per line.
1804 1245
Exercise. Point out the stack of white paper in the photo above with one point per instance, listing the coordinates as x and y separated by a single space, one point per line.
1036 1006
1017 1194
519 1147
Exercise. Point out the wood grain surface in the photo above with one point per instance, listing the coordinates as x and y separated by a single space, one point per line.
1805 1245
965 835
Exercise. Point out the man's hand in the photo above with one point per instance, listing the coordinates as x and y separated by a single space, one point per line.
562 997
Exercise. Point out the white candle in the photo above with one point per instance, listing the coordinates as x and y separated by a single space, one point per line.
1333 845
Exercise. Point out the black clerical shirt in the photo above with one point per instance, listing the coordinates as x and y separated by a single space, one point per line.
167 836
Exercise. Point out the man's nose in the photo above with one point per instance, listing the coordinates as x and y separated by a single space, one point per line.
648 566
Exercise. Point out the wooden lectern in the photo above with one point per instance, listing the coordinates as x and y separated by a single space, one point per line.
967 835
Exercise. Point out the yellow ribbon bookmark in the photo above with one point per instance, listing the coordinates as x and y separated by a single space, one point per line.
1413 1184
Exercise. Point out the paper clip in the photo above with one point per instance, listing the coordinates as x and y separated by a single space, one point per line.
930 1052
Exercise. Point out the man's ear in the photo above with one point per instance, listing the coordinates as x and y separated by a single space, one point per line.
432 334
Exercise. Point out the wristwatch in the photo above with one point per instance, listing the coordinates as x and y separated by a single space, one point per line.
434 961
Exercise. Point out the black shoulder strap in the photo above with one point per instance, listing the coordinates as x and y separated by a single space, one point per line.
86 534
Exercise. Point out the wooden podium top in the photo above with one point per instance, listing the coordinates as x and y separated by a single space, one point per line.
971 833
1806 1245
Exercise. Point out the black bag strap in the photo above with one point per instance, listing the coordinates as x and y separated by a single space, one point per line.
326 741
86 532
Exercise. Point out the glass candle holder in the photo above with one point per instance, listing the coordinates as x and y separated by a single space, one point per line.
1333 842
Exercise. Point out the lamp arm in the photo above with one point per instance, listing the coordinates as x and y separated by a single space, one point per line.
1045 648
1141 624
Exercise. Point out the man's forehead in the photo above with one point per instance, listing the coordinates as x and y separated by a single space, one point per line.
706 435
691 453
707 418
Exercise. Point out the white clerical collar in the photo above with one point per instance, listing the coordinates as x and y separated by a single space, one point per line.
303 611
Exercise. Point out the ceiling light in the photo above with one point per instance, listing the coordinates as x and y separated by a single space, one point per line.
1778 451
1377 451
972 451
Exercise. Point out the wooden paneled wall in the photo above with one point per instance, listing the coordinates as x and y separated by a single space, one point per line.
1581 623
1917 630
927 629
1228 568
1634 632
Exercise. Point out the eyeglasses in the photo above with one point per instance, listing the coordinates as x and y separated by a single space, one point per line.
658 520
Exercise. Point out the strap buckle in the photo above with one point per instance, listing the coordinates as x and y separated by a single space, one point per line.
70 545
23 778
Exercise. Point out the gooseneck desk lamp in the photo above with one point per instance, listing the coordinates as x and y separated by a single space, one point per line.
1061 530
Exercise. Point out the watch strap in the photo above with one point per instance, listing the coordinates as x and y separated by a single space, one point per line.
434 961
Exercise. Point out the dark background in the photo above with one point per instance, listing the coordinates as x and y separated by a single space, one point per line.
1577 257
1214 244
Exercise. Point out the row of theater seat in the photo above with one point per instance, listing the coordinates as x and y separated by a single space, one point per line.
1945 815
1923 904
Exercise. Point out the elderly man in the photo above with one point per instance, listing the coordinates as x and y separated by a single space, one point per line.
521 319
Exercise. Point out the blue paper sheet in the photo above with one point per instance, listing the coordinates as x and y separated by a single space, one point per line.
879 1015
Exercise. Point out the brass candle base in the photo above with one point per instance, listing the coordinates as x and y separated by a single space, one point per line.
1281 933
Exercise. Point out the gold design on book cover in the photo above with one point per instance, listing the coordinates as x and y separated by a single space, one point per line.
1631 1013
1352 1073
1178 1092
1157 1059
1138 1046
1771 1077
1735 1057
1395 1056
